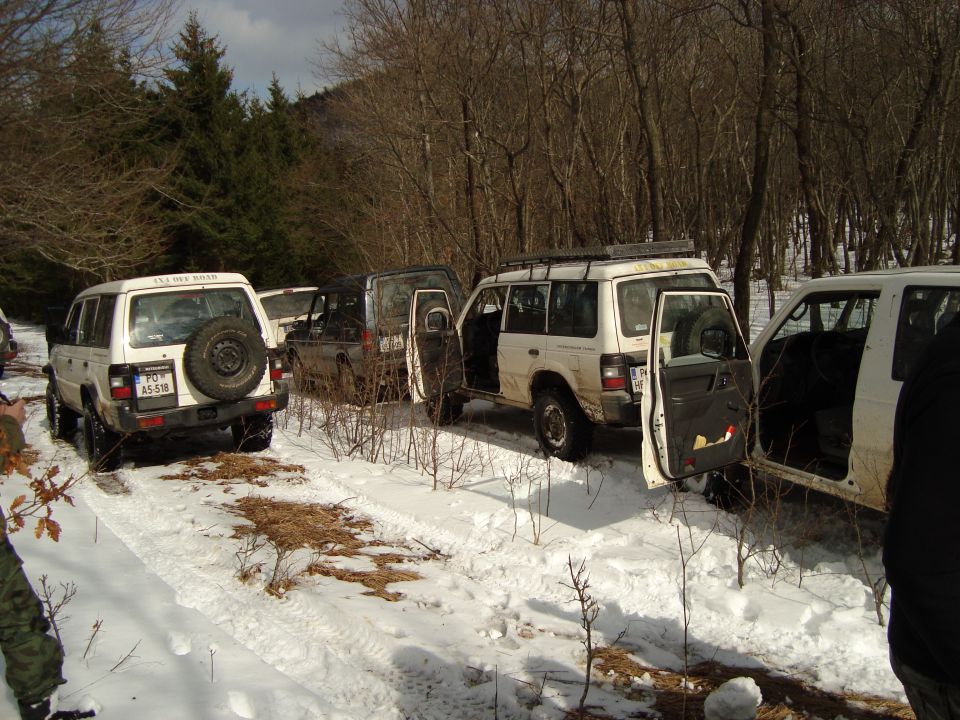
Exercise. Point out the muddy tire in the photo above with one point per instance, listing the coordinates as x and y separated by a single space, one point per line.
225 358
443 410
562 429
104 447
252 434
350 388
61 420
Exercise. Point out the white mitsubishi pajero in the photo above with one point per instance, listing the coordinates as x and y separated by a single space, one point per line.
567 334
164 355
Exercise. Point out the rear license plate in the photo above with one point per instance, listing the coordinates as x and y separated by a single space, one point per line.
391 342
635 378
154 382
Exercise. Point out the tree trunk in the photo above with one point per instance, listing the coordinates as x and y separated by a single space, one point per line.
761 169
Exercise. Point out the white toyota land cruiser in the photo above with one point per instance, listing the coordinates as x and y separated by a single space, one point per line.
164 355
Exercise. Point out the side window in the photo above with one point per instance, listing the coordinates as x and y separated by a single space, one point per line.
344 317
351 312
850 311
527 309
488 305
924 312
104 324
87 322
73 323
573 309
331 328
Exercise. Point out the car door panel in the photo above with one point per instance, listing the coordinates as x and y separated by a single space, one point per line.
434 356
695 396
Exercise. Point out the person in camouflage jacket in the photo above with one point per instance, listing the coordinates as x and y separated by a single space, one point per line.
33 657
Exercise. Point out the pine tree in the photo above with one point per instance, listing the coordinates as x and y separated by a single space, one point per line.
202 118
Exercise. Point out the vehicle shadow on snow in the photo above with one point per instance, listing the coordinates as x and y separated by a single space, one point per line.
641 658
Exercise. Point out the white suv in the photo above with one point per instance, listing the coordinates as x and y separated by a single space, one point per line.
164 355
566 334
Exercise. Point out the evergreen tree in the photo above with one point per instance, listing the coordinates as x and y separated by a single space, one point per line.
202 118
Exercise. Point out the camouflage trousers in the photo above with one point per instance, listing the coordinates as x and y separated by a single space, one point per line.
33 657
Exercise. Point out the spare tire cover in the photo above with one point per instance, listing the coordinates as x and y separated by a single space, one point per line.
686 337
225 358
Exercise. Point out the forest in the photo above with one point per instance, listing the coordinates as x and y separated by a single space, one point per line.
780 136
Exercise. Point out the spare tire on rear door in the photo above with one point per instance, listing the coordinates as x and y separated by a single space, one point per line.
225 358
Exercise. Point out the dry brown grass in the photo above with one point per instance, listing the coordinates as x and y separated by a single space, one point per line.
673 703
329 530
228 468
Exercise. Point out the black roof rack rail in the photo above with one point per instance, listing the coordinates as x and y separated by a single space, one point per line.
633 251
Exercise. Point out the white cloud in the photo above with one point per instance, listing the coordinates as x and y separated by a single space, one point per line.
278 36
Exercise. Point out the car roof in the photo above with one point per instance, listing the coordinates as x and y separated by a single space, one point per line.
598 270
359 280
922 272
161 282
270 292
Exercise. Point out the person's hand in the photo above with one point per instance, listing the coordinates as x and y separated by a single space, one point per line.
17 410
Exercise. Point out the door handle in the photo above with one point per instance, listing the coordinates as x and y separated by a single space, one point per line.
533 351
70 361
733 406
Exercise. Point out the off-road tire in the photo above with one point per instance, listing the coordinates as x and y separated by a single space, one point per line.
60 418
4 335
729 487
225 358
252 434
560 425
104 446
301 379
350 388
443 410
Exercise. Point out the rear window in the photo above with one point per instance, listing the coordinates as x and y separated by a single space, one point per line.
169 318
287 305
392 294
635 298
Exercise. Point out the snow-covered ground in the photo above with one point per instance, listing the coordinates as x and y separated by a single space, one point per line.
160 625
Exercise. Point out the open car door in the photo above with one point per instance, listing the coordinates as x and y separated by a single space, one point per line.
697 390
434 357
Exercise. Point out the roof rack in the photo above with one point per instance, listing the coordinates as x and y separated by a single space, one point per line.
633 251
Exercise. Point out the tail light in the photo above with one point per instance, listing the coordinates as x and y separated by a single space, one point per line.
121 382
366 339
276 368
613 372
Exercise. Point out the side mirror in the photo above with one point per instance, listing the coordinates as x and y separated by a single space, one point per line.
437 320
56 334
299 325
716 343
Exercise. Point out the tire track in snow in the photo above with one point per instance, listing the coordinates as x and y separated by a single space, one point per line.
302 636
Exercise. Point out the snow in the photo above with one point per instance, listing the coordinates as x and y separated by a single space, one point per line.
736 699
160 626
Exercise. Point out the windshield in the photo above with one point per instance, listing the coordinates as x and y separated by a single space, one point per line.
287 304
392 294
635 298
169 318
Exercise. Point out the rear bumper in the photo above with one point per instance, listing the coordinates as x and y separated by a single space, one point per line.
201 416
620 409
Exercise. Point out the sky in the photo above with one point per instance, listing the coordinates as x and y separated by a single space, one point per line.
482 623
269 36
